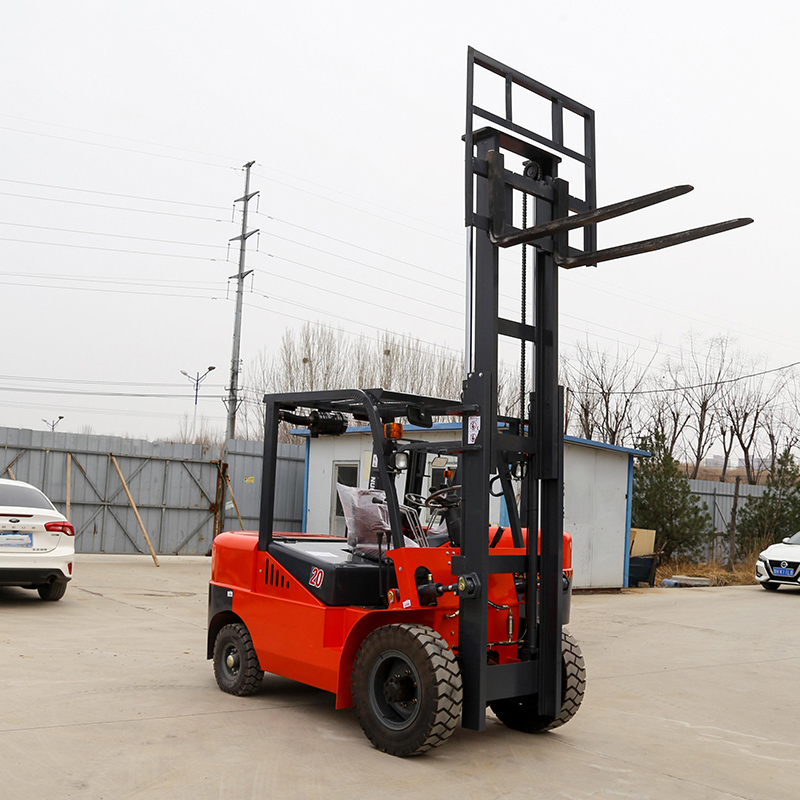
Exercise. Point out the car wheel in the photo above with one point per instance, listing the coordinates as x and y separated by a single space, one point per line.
406 689
522 713
52 591
772 587
236 666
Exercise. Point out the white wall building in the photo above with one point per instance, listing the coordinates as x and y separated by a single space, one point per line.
597 504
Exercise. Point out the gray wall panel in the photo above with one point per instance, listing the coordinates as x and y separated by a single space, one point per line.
718 498
173 485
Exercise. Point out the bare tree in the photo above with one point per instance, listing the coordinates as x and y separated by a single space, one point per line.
316 357
727 437
583 400
701 371
605 388
750 410
663 409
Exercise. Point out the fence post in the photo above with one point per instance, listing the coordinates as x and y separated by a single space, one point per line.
732 529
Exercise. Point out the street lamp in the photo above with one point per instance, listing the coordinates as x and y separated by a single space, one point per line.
196 379
52 425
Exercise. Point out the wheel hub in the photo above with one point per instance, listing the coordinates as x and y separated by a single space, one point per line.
394 690
232 660
399 688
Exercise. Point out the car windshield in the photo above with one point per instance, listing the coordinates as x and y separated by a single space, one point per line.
794 539
21 496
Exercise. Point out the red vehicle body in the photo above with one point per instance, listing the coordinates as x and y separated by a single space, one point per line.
297 632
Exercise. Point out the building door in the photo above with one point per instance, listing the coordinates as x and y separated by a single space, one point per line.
346 473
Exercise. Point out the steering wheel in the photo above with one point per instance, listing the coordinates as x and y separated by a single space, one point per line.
412 499
440 499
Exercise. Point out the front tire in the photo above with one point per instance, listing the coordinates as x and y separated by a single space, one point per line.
236 666
522 713
52 591
406 689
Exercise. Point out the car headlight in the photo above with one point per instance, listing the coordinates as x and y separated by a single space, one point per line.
762 557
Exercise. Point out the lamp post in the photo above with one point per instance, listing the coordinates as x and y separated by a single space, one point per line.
52 425
196 379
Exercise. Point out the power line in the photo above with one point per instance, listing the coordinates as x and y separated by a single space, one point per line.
115 194
110 291
353 333
342 241
34 390
114 147
349 281
94 382
111 235
115 208
102 410
360 210
172 283
722 382
354 299
115 136
355 197
112 249
365 264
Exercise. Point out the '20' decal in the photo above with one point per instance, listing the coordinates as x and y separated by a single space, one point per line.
316 577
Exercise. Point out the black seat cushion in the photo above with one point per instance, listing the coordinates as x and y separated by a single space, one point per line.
346 579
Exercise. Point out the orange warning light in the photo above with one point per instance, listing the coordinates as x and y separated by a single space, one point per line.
393 430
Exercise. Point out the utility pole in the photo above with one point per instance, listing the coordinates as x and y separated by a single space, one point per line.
232 401
233 390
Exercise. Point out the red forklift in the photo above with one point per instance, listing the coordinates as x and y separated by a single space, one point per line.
424 615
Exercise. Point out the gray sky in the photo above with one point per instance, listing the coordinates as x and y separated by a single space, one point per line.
124 128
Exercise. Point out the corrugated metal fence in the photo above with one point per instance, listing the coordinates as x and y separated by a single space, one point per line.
244 469
177 488
718 498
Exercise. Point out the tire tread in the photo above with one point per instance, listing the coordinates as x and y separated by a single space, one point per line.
446 683
253 675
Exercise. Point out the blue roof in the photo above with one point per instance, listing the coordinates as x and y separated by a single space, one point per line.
456 426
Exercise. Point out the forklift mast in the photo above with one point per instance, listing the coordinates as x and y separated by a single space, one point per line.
506 164
530 445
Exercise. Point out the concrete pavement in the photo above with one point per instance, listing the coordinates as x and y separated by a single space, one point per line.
107 694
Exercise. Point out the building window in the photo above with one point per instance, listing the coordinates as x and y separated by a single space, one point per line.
346 473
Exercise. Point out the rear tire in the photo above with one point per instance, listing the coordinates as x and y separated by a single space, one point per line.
52 591
522 713
236 666
772 587
406 689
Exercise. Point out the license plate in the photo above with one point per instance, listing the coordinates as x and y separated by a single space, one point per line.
16 539
784 572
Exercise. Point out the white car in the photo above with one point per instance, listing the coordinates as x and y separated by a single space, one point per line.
37 543
779 564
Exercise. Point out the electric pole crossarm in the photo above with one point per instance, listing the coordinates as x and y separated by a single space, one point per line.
243 236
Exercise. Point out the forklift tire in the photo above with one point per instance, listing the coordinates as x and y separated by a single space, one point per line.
406 689
236 665
521 713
